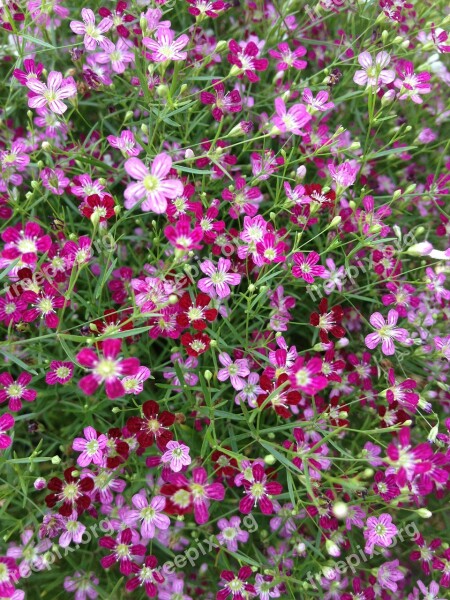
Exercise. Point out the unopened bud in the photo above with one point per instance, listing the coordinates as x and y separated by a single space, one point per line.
39 483
336 221
269 459
56 460
421 249
207 375
424 513
340 510
396 195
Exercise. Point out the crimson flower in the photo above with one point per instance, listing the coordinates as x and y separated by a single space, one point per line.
152 426
101 207
195 313
146 575
235 585
195 344
123 550
328 321
72 493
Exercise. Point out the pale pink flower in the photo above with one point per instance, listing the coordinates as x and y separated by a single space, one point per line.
234 371
152 184
374 73
91 447
93 34
166 47
149 514
52 93
292 120
177 455
119 56
219 279
386 332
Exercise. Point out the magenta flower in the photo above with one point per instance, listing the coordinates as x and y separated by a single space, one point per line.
306 267
219 279
374 74
292 120
51 94
106 369
125 143
307 376
91 447
202 492
6 423
150 515
16 390
379 532
234 371
146 576
221 102
166 47
177 455
152 185
288 58
93 34
245 60
385 333
258 490
182 237
60 372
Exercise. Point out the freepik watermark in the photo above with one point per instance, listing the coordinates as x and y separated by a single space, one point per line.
352 561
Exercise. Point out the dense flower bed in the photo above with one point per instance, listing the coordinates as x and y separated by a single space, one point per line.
224 257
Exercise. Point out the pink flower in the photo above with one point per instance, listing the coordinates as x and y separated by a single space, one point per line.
74 531
219 279
344 174
91 448
374 74
388 575
379 531
231 533
150 514
93 34
106 369
146 575
385 333
319 103
16 390
119 56
292 120
166 47
152 185
52 93
306 267
202 492
177 455
6 422
125 143
234 371
307 376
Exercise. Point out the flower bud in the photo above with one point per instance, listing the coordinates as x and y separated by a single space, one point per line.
421 249
207 375
269 459
424 513
336 221
56 460
39 483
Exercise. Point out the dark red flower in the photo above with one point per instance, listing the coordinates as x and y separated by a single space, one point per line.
152 426
195 344
102 206
71 493
328 321
195 313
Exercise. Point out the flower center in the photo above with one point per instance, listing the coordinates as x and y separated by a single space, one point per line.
106 368
150 182
26 246
14 390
